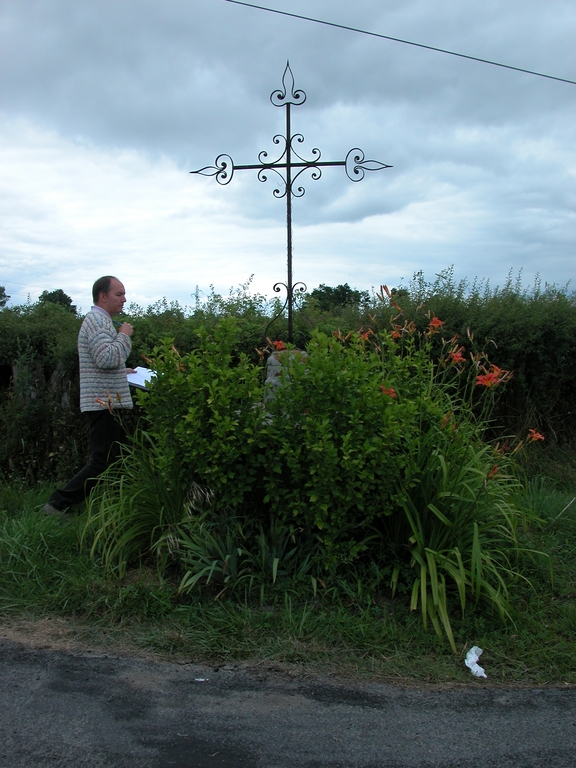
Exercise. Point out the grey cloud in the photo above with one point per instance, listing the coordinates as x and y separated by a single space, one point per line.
171 77
190 79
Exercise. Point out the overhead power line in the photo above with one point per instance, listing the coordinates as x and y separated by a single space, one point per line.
405 42
5 282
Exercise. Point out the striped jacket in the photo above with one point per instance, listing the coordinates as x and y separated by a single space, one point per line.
103 352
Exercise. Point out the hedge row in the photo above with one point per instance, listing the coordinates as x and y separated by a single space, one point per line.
530 331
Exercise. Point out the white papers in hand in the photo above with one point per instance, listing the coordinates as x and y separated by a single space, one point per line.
141 377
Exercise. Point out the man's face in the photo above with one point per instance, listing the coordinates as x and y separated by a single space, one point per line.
114 300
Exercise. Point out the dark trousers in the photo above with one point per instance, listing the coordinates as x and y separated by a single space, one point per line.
106 435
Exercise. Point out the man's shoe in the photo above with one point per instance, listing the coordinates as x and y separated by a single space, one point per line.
50 510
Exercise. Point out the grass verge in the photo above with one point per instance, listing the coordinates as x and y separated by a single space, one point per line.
48 581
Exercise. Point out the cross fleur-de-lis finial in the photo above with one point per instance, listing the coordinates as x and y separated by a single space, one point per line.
287 95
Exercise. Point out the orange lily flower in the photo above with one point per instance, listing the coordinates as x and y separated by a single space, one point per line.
435 324
456 355
493 377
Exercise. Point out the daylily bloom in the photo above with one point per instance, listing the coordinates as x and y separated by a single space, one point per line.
340 336
456 355
435 324
533 436
278 345
390 391
106 403
385 290
487 380
493 377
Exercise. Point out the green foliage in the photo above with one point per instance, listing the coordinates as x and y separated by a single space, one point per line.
239 556
36 565
369 470
139 507
530 331
43 435
203 411
335 443
39 420
252 313
460 526
4 298
365 453
328 299
141 513
46 330
57 297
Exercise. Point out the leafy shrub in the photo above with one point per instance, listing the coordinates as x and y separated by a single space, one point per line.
366 453
203 412
336 440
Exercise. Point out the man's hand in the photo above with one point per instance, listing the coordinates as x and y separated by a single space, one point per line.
130 370
126 329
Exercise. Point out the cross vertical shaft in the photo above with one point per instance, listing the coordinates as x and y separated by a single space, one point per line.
289 284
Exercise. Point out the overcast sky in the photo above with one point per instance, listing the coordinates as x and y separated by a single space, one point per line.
106 106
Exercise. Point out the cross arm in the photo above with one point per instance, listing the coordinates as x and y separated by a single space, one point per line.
356 166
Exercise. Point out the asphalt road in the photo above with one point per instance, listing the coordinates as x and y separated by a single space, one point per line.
89 709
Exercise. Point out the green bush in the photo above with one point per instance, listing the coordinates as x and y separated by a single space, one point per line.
365 454
335 441
203 412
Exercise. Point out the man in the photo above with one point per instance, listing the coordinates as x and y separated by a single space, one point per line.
103 389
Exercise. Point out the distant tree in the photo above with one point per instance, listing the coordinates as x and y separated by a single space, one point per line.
4 298
57 297
328 298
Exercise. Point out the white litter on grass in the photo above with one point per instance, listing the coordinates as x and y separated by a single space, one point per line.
471 661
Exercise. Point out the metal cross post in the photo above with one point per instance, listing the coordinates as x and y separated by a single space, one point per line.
355 164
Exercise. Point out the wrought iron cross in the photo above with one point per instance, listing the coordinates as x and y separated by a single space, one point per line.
294 166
